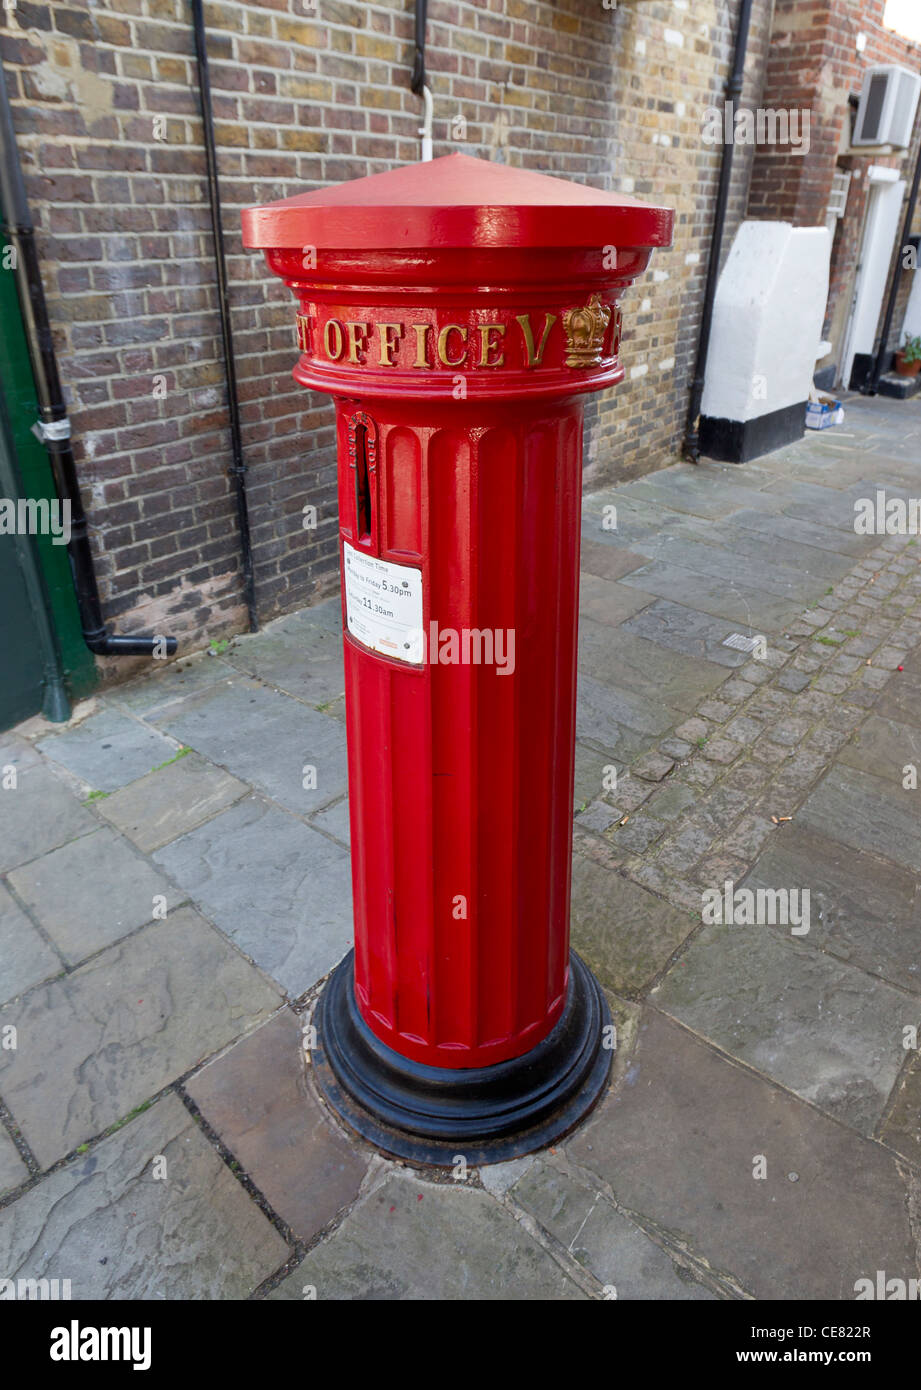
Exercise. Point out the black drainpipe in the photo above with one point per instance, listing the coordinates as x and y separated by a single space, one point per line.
238 467
53 426
871 386
417 81
733 92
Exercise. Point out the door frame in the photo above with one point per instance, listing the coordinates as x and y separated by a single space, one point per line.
880 230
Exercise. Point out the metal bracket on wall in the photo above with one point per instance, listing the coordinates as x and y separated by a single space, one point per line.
46 430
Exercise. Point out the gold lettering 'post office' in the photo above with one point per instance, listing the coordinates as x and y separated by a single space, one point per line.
578 335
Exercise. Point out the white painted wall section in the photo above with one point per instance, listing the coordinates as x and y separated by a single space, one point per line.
767 320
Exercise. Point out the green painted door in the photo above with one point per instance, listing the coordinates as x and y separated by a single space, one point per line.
22 667
33 571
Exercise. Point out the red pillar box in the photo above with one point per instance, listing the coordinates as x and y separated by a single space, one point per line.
458 311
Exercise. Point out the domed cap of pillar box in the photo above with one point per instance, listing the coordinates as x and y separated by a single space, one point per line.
456 201
458 267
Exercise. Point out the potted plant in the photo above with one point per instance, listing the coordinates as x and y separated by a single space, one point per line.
908 358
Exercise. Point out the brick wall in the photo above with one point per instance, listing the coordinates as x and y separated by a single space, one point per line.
814 64
106 108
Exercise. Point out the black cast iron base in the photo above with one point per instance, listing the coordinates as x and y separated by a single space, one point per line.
487 1114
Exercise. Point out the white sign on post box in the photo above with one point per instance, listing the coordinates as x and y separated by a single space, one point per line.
383 605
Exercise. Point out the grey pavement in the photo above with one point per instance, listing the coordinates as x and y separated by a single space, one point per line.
174 889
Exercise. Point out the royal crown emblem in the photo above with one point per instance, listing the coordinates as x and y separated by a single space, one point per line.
585 329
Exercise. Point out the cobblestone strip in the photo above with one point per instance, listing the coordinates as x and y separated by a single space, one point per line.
698 809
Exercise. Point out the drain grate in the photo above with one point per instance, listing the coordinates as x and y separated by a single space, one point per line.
740 642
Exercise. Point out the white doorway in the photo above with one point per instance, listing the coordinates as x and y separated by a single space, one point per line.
884 210
912 323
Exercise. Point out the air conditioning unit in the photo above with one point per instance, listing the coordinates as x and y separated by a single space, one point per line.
888 102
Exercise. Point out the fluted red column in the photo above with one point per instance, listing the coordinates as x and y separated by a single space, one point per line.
461 773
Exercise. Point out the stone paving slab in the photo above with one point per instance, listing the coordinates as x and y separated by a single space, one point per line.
753 475
866 812
25 956
713 560
901 700
815 502
678 1143
607 719
902 1129
13 1171
92 892
16 754
591 762
882 469
108 750
149 1213
608 561
180 679
268 739
884 748
673 525
279 889
37 815
819 562
685 630
411 1239
256 1098
621 1256
327 614
684 488
811 533
334 820
806 452
824 1030
639 525
626 934
633 665
738 603
864 487
652 530
306 664
912 664
171 801
607 602
841 471
95 1044
864 909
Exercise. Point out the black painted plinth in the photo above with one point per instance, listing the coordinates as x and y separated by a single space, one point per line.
487 1114
899 388
740 441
